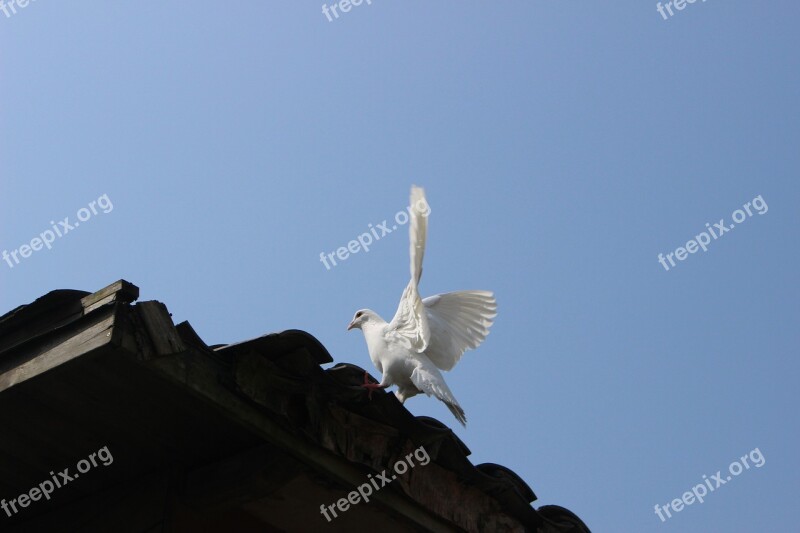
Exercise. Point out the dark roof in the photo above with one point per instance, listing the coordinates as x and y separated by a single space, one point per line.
255 432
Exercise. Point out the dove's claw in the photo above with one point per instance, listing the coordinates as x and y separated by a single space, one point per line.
371 387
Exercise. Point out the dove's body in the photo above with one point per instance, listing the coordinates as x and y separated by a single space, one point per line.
425 335
393 360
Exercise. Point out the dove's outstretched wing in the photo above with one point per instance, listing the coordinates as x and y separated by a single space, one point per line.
429 380
410 323
458 321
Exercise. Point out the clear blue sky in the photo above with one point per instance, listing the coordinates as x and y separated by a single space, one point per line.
563 146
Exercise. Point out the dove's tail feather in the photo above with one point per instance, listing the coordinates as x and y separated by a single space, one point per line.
458 412
427 378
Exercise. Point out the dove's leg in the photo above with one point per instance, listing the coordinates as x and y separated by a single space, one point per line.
404 393
371 386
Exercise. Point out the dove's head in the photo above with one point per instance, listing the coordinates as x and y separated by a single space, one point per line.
362 318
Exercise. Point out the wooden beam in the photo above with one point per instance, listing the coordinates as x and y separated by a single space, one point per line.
160 327
119 291
70 344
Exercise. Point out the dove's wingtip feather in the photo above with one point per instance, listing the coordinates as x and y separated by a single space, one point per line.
417 195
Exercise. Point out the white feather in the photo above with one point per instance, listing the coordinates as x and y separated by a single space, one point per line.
429 380
458 321
410 322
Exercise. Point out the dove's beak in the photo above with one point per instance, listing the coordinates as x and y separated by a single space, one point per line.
351 325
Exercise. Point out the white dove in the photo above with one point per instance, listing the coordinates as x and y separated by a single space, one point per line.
425 335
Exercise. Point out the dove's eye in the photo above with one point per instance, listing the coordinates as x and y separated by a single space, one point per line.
359 314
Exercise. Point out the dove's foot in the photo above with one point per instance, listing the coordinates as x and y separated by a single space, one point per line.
371 387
